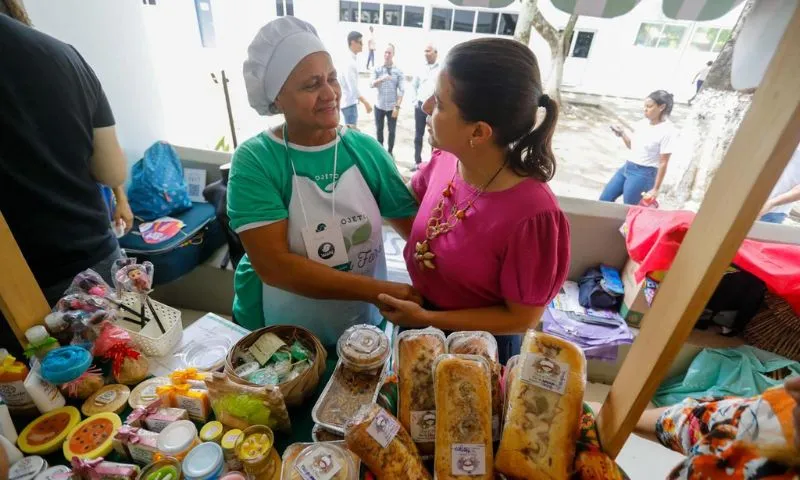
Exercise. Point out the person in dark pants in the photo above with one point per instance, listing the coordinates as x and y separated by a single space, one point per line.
371 48
388 79
424 83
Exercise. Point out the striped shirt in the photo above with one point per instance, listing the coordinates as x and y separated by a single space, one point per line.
389 90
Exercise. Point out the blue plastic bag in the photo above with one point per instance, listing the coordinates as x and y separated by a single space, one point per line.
157 185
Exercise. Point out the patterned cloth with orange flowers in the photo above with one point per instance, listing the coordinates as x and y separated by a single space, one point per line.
719 437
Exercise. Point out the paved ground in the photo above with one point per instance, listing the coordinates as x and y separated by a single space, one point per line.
587 152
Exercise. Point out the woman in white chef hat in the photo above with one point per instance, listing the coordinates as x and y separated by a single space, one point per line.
308 197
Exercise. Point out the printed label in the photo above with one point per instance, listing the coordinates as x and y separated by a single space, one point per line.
156 425
320 466
365 341
544 372
148 393
15 395
193 406
423 425
141 454
105 398
383 429
468 459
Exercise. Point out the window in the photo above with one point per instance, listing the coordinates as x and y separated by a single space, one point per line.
370 12
583 43
392 14
414 16
508 23
348 11
660 35
708 39
463 20
487 22
441 19
284 7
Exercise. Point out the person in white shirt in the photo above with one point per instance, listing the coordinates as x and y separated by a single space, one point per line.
349 82
784 194
700 78
371 46
639 180
424 83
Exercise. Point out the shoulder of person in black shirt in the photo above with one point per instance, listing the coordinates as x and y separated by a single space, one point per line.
53 112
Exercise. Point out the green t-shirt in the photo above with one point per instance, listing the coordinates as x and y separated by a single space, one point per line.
263 189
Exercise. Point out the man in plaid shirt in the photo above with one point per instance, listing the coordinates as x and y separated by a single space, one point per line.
388 79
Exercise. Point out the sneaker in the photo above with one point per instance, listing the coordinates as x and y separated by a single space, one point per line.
415 167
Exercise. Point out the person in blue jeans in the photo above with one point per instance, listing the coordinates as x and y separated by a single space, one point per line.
785 193
651 143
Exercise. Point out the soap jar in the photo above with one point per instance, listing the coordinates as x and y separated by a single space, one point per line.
255 453
177 440
40 342
204 462
165 469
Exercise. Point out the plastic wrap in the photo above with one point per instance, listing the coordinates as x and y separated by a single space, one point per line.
544 409
344 394
485 345
330 460
240 406
415 352
133 277
89 282
464 421
363 348
127 364
384 445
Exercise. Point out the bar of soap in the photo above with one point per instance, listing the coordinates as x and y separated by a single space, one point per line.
111 398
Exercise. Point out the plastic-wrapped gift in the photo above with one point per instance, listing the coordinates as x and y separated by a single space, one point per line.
133 277
155 417
128 365
84 386
99 469
191 376
193 400
137 444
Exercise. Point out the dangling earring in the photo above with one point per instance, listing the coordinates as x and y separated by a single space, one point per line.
471 143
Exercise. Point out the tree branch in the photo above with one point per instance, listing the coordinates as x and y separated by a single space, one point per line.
546 30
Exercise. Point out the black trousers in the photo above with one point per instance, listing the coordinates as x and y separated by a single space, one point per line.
371 58
420 119
380 115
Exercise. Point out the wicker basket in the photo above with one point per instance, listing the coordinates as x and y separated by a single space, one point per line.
149 339
295 391
776 328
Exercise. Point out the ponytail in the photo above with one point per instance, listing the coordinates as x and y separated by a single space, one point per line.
663 97
532 155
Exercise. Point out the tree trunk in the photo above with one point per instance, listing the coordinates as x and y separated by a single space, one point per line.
559 54
715 116
522 32
719 77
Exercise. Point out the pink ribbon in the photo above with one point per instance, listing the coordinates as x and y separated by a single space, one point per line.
72 387
128 434
96 469
140 413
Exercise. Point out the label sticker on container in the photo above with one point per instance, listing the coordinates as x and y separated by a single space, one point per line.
423 425
365 341
383 429
149 393
544 372
140 454
193 406
468 459
320 466
105 398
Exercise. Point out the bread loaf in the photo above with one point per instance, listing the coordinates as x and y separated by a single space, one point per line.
485 345
384 445
463 422
416 351
544 410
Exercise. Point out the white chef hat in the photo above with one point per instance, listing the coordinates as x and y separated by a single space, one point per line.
272 55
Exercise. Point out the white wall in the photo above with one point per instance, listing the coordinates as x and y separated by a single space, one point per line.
111 36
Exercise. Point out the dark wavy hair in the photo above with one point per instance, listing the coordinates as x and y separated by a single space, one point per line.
663 97
497 81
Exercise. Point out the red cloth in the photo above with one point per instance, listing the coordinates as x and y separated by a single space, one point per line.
654 237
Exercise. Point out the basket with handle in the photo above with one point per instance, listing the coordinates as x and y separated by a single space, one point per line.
144 318
297 390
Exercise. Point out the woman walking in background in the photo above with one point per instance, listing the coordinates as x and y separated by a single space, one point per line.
651 145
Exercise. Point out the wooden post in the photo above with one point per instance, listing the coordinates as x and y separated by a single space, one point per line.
21 300
758 154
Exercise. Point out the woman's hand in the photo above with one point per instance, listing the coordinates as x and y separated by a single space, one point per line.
793 388
406 313
649 197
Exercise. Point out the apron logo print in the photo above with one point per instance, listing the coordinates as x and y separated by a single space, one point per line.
326 250
321 227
